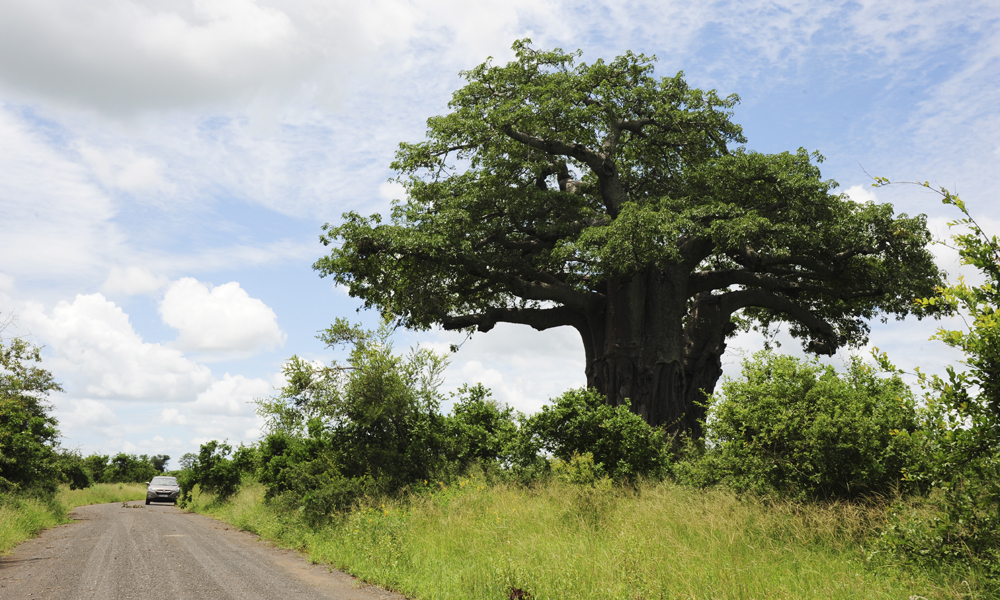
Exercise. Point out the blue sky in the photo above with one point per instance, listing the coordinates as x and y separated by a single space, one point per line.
166 165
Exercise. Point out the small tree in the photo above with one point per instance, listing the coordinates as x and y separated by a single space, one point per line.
479 429
28 434
371 424
129 468
962 428
214 471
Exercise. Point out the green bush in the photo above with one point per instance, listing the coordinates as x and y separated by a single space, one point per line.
213 471
128 468
479 429
801 429
960 436
28 434
371 425
73 470
580 422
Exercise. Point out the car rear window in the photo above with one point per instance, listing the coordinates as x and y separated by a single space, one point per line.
163 481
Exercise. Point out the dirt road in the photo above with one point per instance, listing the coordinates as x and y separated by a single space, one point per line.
157 552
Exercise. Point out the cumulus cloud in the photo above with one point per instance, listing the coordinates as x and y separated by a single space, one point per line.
523 368
87 415
224 411
94 345
223 319
124 53
861 194
230 396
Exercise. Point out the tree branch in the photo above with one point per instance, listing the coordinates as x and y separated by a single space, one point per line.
733 301
538 318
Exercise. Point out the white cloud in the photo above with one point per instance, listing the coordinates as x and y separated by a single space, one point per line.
94 346
223 319
123 53
132 281
87 415
124 169
861 194
231 396
225 410
172 416
126 54
54 221
523 368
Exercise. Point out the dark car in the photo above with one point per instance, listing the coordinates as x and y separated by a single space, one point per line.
163 489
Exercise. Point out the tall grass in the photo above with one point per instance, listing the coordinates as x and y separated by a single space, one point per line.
101 493
556 540
23 517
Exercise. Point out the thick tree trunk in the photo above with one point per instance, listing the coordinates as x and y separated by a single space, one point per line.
648 352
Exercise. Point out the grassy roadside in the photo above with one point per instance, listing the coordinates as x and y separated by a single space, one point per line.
24 517
560 541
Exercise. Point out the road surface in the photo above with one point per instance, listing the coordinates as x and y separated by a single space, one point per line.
157 552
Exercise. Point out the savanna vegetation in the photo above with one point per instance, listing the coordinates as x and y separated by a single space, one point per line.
584 196
39 481
557 193
596 197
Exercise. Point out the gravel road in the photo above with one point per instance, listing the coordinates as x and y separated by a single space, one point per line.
157 552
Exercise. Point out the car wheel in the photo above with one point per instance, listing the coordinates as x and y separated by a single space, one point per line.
147 501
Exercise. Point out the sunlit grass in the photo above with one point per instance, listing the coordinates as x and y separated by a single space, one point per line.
24 517
555 540
101 493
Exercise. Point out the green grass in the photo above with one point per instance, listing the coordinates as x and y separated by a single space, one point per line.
556 540
24 517
101 493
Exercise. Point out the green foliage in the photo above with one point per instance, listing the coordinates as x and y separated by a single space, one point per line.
28 434
961 433
802 429
560 193
74 471
479 429
214 471
580 469
127 468
159 462
372 424
96 464
580 422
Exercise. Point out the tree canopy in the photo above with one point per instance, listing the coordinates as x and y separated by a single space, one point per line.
597 196
28 434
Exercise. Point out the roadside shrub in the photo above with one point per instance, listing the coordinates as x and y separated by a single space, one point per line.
96 464
128 468
801 429
960 431
479 429
370 426
28 434
213 471
73 471
579 422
